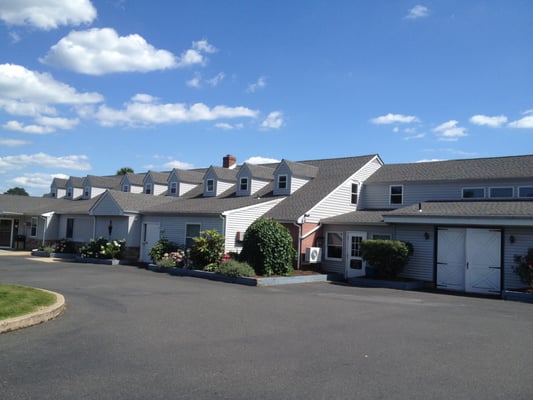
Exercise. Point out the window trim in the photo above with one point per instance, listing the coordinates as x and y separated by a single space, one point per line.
69 192
341 234
356 194
501 197
87 192
125 188
173 189
33 226
186 232
69 230
396 195
286 182
473 188
148 188
208 182
524 187
243 181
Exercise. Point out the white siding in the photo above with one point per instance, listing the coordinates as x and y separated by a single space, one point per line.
96 191
185 187
106 206
136 189
221 187
240 220
296 183
158 189
257 185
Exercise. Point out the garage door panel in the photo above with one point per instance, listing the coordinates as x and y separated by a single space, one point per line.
451 259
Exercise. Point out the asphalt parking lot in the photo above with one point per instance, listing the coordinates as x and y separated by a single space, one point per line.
129 333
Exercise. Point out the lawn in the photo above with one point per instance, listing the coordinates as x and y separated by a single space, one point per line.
19 300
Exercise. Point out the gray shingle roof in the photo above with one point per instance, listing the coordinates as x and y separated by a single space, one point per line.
137 202
190 176
135 179
301 169
76 181
514 167
226 174
331 173
59 183
471 209
161 178
363 217
28 205
106 182
260 172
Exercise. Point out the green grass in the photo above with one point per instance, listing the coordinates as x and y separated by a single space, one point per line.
19 300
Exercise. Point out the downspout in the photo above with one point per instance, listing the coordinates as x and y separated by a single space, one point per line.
223 218
94 227
297 225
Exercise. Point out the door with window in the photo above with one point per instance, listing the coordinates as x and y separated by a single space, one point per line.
355 265
6 232
151 233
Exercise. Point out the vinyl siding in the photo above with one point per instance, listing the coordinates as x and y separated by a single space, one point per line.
83 228
282 169
376 196
158 189
240 220
296 183
257 185
136 189
106 206
185 187
420 265
96 191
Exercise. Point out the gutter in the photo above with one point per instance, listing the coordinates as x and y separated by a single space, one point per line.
299 244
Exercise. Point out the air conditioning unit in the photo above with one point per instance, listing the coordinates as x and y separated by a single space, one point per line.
313 254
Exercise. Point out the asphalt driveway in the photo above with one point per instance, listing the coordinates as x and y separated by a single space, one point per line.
129 333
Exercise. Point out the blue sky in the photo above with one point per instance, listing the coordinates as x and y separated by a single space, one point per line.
88 87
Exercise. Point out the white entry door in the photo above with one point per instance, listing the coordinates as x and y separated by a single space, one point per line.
469 260
151 233
355 266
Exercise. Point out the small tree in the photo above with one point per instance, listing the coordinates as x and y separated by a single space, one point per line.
524 267
208 248
124 171
17 191
389 257
267 247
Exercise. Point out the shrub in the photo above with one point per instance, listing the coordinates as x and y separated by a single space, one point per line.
101 248
64 246
389 257
235 268
267 247
162 247
208 248
524 267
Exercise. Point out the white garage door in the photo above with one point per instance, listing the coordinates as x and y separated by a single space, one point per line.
469 260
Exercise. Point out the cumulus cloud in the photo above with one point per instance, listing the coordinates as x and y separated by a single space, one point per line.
100 51
228 127
47 14
43 160
417 136
196 54
17 126
36 180
524 122
393 119
485 120
261 160
138 113
197 82
417 11
177 164
215 81
450 131
274 120
259 84
13 142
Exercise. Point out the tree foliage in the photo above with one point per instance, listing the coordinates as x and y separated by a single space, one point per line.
389 257
17 191
268 248
208 248
124 171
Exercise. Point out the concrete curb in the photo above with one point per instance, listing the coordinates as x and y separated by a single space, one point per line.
38 317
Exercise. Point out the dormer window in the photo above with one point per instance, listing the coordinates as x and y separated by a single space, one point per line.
282 181
243 184
148 188
125 188
69 192
355 191
87 192
210 185
173 188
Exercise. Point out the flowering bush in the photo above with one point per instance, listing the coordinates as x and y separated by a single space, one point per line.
524 267
63 246
101 248
162 247
172 259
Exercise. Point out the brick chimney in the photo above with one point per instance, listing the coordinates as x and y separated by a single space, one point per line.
229 161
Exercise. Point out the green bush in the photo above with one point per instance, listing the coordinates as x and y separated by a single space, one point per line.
524 267
172 259
101 248
388 257
208 248
162 247
267 247
235 268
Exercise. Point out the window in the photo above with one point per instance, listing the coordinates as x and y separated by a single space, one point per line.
334 245
244 184
191 231
282 181
501 192
173 188
396 194
125 188
473 193
526 191
380 236
87 192
148 188
69 192
355 190
54 193
70 228
210 185
33 231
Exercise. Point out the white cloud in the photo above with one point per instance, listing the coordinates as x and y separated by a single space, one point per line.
144 98
228 127
524 122
58 123
393 119
195 55
195 82
484 120
429 160
261 160
274 120
136 113
100 51
260 84
417 136
177 164
47 14
449 131
215 81
43 160
16 126
13 142
417 11
34 90
35 180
